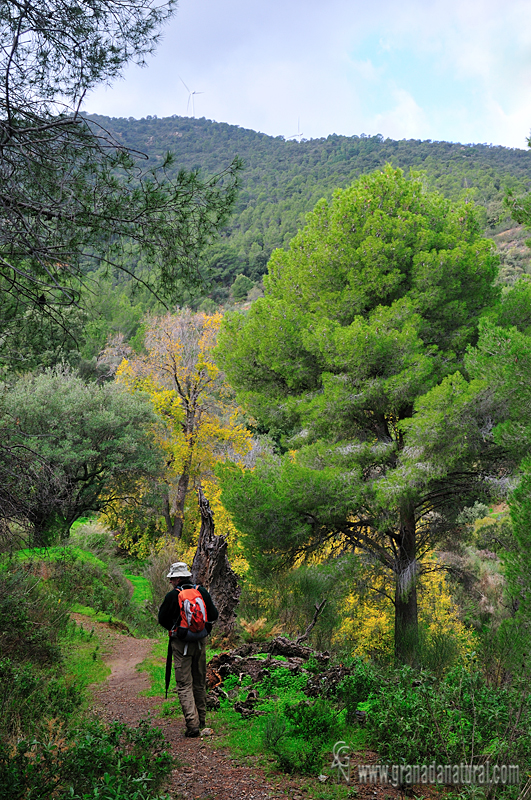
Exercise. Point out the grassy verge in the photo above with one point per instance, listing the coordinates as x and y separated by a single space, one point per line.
58 553
102 616
82 657
141 588
155 666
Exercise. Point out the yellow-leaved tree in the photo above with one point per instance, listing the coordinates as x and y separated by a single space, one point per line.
200 423
367 628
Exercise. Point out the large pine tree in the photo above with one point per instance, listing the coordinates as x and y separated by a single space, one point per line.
349 359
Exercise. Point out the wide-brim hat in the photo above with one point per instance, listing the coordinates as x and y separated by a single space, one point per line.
179 570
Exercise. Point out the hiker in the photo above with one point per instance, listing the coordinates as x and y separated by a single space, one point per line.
187 642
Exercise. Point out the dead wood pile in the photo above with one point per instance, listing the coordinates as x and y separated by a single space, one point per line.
244 661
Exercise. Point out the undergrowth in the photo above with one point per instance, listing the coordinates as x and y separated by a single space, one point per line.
89 585
88 761
292 732
49 747
409 716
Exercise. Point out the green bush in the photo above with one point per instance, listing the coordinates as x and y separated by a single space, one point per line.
313 721
293 752
31 619
30 694
358 687
299 756
241 287
415 718
438 652
116 763
284 680
130 753
273 731
297 735
91 535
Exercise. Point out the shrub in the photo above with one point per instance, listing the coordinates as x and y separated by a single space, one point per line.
358 687
95 537
316 722
415 717
30 618
116 763
299 756
30 695
471 513
291 750
283 679
273 731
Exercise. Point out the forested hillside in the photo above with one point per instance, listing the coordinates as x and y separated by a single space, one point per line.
283 179
329 431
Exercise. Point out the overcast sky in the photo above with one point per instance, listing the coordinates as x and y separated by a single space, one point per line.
455 70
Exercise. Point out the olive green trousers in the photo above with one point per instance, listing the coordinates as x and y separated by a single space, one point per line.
190 677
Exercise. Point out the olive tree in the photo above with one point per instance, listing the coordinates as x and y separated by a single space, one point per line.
68 448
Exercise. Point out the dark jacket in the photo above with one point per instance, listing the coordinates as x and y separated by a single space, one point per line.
170 610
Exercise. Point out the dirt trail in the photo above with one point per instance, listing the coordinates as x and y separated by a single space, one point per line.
206 773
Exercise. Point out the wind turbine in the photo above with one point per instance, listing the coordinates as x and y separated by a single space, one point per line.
190 97
297 135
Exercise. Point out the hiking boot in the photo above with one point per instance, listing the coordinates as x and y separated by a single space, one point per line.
192 733
202 724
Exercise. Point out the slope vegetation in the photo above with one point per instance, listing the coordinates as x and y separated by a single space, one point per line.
283 179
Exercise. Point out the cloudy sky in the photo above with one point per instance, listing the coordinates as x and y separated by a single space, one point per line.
456 70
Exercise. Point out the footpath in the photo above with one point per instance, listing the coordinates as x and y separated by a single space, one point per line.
203 772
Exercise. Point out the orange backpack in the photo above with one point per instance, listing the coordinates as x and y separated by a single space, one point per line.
193 610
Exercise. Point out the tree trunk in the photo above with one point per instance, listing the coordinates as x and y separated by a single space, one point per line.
182 489
174 527
406 572
211 568
39 537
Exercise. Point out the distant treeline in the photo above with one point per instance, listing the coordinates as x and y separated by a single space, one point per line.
283 179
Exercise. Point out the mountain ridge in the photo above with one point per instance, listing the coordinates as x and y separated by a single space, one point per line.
283 179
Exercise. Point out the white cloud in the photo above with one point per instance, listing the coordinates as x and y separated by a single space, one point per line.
404 120
457 69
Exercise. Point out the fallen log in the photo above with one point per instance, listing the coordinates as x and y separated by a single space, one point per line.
282 646
244 661
325 683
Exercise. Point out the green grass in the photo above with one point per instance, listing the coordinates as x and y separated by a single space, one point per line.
101 616
141 588
81 656
155 666
59 553
83 521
